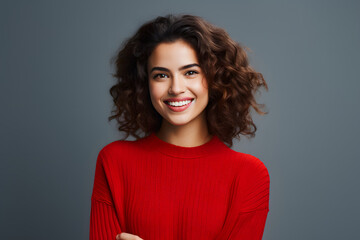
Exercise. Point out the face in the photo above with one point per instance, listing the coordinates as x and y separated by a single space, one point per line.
178 88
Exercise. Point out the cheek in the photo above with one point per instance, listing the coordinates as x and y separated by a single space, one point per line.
155 92
202 88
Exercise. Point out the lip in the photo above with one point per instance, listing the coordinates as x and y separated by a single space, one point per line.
178 99
180 109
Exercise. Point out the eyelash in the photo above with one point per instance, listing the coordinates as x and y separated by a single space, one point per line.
195 72
159 74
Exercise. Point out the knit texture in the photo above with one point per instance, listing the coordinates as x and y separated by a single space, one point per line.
158 190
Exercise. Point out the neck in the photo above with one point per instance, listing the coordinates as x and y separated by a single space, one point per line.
189 135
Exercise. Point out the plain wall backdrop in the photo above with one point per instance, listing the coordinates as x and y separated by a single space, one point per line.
55 77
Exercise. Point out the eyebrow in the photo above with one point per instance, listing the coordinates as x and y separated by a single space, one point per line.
181 68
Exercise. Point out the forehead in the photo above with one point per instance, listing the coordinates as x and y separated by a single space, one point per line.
172 55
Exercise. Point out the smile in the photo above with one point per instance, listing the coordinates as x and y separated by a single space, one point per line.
179 106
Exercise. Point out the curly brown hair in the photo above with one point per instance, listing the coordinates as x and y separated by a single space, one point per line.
232 81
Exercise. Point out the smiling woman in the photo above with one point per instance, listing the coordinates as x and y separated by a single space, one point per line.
178 89
188 87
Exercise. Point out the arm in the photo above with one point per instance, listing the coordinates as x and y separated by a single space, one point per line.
249 204
244 226
104 223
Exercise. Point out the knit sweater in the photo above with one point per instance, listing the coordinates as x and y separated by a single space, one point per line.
157 190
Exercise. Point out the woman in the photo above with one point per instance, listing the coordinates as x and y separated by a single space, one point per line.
188 87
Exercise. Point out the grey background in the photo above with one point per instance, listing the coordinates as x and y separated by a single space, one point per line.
55 76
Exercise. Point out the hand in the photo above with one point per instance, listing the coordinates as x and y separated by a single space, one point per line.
127 236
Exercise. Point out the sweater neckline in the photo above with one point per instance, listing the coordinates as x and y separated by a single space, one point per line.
210 147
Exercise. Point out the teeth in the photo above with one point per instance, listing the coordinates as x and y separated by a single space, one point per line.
179 104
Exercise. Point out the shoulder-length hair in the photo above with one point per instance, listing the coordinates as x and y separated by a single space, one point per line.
232 83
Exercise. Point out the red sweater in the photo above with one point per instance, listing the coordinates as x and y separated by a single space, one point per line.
158 190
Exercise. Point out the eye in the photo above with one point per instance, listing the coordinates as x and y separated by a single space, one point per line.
160 75
191 72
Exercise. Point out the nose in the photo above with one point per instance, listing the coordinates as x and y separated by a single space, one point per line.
177 85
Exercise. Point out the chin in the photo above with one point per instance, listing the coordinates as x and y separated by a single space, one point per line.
178 122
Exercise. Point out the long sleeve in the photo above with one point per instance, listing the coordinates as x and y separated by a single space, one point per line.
249 205
104 224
